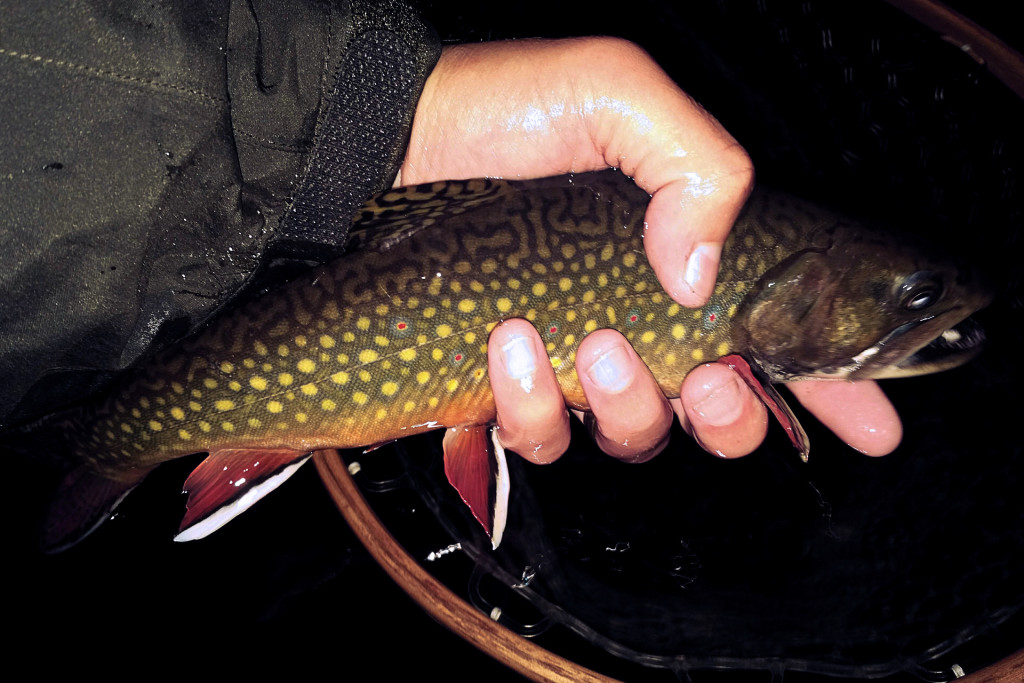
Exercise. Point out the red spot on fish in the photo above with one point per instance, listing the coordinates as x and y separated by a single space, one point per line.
401 326
553 329
633 318
458 358
711 317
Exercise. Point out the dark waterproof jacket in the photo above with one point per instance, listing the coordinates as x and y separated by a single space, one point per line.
155 156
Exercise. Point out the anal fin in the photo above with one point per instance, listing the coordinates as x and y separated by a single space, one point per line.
228 482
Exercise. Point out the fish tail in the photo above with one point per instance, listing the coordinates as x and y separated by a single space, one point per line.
82 502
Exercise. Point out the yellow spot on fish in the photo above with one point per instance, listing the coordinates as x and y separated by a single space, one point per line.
155 426
723 349
423 377
209 383
678 331
285 379
224 405
331 310
382 309
177 413
569 340
429 312
443 330
308 389
227 426
258 383
365 375
610 312
359 398
697 354
177 388
647 337
540 289
453 384
408 407
590 326
195 406
432 401
477 287
184 435
301 340
589 296
348 337
504 304
437 354
306 365
204 425
342 358
260 348
327 341
126 428
363 323
328 405
275 406
300 417
470 337
670 359
467 305
407 355
489 265
136 413
629 259
381 340
389 388
368 356
226 367
282 350
254 422
340 377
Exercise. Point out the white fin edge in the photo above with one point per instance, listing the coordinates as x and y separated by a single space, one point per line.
222 516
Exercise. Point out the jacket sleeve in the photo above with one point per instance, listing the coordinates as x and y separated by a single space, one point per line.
153 157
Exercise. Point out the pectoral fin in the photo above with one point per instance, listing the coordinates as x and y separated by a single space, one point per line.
228 482
475 465
775 403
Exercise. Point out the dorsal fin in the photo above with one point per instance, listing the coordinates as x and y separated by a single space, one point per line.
391 217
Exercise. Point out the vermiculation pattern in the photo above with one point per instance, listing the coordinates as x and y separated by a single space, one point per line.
392 338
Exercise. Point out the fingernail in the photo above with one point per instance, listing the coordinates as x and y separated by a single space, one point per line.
702 264
518 358
722 404
612 371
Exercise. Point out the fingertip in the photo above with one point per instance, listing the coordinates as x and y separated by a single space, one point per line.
859 413
531 414
723 415
612 376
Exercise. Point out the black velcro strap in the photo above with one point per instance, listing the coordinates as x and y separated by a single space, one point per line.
366 119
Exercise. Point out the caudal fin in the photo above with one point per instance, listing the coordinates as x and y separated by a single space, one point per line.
84 500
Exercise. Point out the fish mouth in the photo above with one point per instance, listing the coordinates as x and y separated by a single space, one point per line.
955 346
951 348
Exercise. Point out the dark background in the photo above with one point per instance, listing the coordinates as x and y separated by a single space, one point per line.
287 587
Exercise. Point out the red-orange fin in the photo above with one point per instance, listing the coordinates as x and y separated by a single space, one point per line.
228 482
475 465
82 503
774 401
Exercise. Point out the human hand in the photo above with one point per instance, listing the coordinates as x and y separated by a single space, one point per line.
528 109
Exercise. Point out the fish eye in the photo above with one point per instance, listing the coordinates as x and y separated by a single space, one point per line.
921 290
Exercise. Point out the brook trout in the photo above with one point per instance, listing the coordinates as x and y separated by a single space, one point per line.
391 339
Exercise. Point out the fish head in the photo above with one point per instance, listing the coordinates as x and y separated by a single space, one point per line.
865 304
